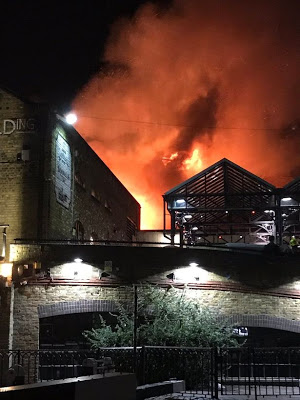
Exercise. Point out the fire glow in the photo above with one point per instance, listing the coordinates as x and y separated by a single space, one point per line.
185 87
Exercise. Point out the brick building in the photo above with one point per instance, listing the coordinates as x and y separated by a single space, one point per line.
53 185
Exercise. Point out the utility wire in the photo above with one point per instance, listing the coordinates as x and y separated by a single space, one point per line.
179 125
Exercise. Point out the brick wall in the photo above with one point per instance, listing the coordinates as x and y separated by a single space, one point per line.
32 302
28 201
19 179
99 201
28 300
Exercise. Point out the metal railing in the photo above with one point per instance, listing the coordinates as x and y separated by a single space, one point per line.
208 371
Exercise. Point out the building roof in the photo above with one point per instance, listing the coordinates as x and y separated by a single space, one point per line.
221 192
217 173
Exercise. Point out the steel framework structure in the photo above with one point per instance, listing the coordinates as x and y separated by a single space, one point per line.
226 203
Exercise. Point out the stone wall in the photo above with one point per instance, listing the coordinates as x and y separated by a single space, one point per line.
98 199
28 179
20 132
32 301
28 299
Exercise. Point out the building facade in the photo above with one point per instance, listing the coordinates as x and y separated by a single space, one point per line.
53 185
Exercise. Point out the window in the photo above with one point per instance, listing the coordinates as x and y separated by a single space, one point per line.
79 180
95 195
79 231
130 229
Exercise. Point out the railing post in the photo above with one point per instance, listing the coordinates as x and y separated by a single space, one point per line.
249 370
143 365
215 391
254 374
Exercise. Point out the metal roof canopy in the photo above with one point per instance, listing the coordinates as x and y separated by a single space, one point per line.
226 201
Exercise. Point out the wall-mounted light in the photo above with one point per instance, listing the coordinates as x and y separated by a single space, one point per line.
171 276
188 216
104 275
71 118
72 270
286 199
194 228
192 273
6 270
78 260
193 264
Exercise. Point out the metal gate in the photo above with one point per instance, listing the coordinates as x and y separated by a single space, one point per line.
258 371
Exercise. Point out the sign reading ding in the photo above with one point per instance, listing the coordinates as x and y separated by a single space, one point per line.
20 125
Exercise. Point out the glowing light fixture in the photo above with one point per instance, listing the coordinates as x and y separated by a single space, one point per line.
71 118
188 216
78 260
6 270
180 201
194 228
286 199
193 264
104 275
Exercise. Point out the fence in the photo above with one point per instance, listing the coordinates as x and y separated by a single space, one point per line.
207 371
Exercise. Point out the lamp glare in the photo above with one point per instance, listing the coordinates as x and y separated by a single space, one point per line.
193 264
71 118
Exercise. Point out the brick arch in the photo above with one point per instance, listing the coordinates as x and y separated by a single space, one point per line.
265 321
76 307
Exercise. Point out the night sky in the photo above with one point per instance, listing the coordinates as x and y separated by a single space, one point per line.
173 86
49 49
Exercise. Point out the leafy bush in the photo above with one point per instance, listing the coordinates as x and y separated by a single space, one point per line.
165 318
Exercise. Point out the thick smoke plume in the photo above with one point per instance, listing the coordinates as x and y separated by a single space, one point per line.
184 87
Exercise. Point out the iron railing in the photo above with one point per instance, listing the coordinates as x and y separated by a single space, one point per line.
207 371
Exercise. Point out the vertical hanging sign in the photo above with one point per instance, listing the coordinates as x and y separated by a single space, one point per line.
63 172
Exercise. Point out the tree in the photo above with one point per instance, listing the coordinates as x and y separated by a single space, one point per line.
165 318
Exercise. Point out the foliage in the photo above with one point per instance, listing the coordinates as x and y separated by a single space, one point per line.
165 318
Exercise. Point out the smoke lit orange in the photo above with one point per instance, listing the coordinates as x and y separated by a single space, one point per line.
186 87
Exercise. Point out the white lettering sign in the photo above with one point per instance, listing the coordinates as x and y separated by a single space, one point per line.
63 172
20 125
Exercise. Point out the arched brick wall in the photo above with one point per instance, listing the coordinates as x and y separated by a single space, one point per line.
80 306
32 302
265 321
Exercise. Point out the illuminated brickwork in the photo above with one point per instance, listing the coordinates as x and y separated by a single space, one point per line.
32 302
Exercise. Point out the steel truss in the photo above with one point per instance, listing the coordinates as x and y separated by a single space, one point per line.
226 203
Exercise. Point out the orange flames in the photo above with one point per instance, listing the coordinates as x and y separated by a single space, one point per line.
185 87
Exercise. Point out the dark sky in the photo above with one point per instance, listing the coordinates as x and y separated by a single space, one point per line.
49 49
